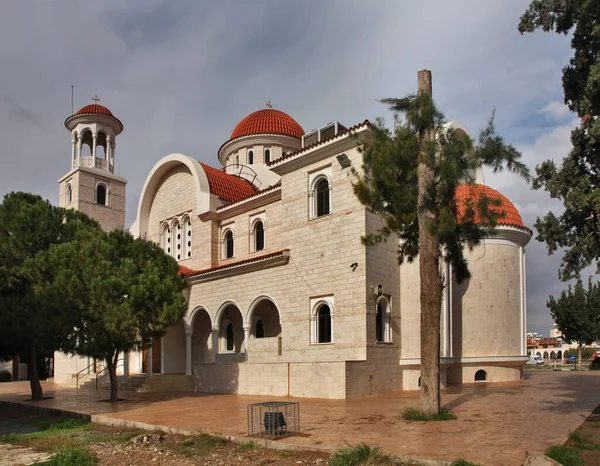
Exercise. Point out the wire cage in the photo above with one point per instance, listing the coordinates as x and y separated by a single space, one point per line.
273 419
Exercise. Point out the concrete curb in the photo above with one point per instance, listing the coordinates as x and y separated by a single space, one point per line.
265 443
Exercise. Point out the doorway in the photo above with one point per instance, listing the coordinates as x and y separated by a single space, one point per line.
156 358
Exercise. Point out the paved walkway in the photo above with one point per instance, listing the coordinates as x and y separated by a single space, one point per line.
496 423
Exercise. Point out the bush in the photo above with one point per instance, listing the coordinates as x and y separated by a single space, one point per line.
586 353
564 455
72 456
362 454
5 376
415 414
595 365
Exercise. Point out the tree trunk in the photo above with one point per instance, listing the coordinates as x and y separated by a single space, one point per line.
34 380
431 281
112 374
579 355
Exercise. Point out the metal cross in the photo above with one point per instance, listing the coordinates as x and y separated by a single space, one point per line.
268 104
96 99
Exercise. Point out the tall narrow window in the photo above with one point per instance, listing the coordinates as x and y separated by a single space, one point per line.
229 337
380 323
250 157
69 194
260 329
322 197
187 238
165 240
324 324
176 240
259 236
228 244
237 161
267 155
101 194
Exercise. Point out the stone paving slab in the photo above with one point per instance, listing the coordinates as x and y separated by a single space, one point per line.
496 423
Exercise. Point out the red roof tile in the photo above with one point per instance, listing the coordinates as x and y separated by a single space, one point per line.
470 193
228 187
187 272
268 121
258 193
94 109
323 141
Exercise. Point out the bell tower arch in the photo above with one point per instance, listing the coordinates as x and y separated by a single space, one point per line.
91 184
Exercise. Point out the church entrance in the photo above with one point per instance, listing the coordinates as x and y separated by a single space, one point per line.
156 358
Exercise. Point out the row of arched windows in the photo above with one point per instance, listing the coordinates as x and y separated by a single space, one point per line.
176 237
257 239
250 157
100 194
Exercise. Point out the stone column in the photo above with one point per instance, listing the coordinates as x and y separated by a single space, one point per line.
149 361
126 364
215 343
79 143
247 326
73 149
94 143
108 152
188 351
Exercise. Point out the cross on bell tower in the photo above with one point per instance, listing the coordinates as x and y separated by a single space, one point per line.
91 185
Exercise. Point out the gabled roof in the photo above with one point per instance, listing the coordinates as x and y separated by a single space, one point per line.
227 187
187 272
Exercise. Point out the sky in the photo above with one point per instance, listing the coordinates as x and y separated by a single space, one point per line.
180 74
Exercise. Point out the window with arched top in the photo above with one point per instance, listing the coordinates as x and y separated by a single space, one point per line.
237 161
324 324
228 244
69 194
481 376
267 155
322 197
229 342
176 239
186 240
165 240
260 329
250 157
259 236
382 320
101 195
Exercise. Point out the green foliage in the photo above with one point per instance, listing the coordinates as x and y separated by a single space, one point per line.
463 462
389 181
415 414
245 446
66 423
587 353
200 445
564 455
362 454
576 182
72 456
125 292
577 312
5 376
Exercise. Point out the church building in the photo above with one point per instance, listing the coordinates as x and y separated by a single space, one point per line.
283 297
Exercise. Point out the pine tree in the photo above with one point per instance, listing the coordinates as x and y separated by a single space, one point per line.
576 183
410 176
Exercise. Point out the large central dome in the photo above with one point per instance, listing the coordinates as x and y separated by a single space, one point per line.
268 121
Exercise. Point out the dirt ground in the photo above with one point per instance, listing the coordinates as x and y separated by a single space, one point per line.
123 447
588 439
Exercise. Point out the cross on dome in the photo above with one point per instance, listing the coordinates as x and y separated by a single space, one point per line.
96 99
268 104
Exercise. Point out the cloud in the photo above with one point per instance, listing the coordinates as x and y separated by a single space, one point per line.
555 110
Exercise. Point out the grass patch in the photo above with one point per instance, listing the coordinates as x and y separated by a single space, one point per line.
416 414
578 441
72 456
564 455
200 445
463 462
245 446
362 454
51 435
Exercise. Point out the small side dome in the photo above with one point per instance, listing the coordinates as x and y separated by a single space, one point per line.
466 193
94 109
268 121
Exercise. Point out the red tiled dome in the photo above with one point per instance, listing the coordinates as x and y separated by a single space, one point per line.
470 193
94 109
268 121
228 187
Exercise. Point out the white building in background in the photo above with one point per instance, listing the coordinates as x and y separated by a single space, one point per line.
284 298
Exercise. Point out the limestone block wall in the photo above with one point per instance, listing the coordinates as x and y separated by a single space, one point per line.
410 310
112 216
486 309
173 350
465 373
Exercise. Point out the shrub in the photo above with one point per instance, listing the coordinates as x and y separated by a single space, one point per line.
72 456
415 414
564 455
5 376
362 454
463 462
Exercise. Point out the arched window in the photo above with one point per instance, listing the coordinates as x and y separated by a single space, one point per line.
250 157
101 197
382 320
259 236
165 238
324 324
260 329
229 337
267 155
480 376
322 197
237 161
69 195
228 244
186 241
379 323
176 239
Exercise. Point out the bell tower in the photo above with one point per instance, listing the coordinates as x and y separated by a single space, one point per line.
91 185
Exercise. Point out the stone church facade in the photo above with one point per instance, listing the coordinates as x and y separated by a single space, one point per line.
283 297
